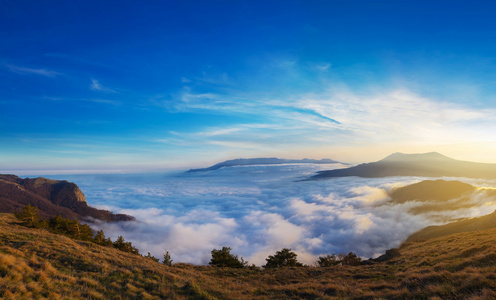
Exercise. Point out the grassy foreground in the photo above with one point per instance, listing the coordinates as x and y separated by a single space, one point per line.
36 264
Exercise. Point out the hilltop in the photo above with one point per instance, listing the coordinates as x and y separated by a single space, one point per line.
431 164
264 161
52 197
430 196
465 225
35 263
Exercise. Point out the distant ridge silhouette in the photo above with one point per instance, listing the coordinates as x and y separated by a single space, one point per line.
264 161
430 164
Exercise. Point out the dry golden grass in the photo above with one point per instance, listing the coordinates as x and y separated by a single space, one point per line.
36 264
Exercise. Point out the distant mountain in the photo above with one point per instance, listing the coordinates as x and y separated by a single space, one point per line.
263 161
430 164
52 197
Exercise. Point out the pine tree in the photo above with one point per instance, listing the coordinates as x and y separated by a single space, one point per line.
74 229
59 225
86 233
100 238
122 245
29 215
167 259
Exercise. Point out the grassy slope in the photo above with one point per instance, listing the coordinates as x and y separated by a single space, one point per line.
38 264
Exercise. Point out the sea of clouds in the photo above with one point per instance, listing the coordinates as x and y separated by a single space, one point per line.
258 210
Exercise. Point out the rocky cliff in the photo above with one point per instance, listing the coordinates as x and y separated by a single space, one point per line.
52 197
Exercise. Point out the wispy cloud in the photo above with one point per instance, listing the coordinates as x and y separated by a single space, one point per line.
32 71
97 86
94 100
322 67
382 117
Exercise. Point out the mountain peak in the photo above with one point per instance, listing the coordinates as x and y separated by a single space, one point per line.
431 164
398 156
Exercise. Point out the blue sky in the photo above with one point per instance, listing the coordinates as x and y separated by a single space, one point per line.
127 85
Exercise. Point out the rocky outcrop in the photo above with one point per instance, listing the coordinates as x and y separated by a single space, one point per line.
52 197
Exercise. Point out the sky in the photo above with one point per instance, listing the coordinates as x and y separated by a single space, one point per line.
124 85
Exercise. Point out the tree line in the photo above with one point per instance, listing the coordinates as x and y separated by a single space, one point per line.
283 258
75 230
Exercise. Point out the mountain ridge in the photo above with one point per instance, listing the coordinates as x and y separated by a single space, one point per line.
431 164
264 161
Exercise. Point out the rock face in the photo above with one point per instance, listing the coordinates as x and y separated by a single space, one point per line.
430 164
52 197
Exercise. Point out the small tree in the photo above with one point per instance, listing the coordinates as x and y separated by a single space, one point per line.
282 258
59 224
351 259
328 261
122 245
151 257
223 258
74 229
100 238
29 215
86 233
167 259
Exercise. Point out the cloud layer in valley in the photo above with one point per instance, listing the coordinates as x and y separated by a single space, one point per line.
257 210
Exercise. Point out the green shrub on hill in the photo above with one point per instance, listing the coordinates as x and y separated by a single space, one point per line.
223 258
282 258
29 216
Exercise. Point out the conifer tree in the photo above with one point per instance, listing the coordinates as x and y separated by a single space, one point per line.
29 215
74 229
167 259
100 238
86 233
59 224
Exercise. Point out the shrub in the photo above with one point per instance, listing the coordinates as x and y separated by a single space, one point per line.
124 246
282 258
328 261
29 216
350 259
223 258
151 257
